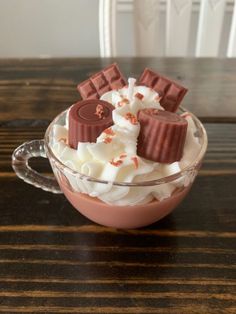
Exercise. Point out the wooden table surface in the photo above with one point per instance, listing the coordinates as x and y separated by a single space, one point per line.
53 260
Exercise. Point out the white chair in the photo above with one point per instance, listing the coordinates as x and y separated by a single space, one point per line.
178 15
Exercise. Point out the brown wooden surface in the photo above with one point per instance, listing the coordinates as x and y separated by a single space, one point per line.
53 260
39 89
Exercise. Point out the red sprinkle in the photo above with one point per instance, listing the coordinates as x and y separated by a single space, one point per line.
116 163
123 102
99 111
123 156
139 96
109 131
132 119
135 160
107 140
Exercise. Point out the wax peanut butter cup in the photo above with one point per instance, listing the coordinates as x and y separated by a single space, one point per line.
162 135
87 120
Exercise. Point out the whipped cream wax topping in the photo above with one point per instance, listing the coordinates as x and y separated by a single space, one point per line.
113 157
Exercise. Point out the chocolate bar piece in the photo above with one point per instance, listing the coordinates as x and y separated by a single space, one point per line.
162 135
170 92
87 120
108 79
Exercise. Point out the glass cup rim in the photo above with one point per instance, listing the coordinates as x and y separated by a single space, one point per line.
167 179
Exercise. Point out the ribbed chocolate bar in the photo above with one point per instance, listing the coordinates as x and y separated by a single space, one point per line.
162 135
87 120
171 93
108 79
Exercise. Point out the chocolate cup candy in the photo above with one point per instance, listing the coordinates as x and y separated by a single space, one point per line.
162 135
87 120
170 92
108 79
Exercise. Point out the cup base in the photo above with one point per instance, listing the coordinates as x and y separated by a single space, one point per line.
123 217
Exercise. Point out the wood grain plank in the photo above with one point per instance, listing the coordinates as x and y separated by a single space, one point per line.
100 229
81 248
201 281
123 295
118 305
86 272
32 83
117 264
119 310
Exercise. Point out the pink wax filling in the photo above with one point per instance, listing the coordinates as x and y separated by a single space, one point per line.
124 217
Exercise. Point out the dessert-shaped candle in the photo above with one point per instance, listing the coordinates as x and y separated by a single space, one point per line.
170 92
122 156
87 120
106 80
126 136
162 135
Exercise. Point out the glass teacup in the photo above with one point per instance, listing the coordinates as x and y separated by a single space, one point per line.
78 187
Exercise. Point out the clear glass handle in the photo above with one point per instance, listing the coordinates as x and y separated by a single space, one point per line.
20 158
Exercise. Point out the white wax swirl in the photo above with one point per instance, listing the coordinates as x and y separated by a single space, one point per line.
113 157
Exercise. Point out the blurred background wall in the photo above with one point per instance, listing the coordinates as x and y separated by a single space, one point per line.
61 28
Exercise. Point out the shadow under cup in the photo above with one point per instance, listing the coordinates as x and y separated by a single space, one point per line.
77 187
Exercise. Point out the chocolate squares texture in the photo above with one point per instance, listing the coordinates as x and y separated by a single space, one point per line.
106 80
170 92
110 78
